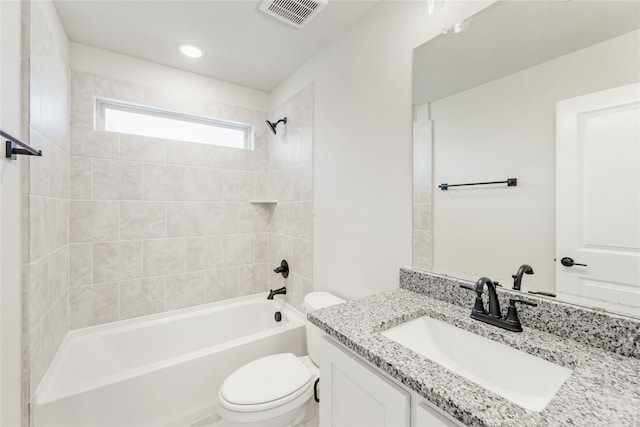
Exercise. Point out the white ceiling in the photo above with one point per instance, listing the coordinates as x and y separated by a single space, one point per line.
510 36
241 44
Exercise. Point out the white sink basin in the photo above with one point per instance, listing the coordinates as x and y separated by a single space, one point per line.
526 380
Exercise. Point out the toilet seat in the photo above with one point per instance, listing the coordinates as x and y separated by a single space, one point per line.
266 383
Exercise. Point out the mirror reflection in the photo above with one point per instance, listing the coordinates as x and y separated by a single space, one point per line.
547 93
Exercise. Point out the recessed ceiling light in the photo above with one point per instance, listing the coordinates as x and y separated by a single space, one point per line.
190 51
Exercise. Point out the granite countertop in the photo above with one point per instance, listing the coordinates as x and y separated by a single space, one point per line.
603 389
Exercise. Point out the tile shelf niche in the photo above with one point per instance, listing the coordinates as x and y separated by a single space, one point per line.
263 202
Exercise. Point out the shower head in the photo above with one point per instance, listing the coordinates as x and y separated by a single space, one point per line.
273 125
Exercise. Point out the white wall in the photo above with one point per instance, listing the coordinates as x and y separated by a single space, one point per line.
10 224
362 144
127 68
505 129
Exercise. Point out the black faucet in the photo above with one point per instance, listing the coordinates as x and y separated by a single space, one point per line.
282 290
510 321
494 304
517 278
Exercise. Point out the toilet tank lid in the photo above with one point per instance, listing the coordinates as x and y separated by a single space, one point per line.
317 300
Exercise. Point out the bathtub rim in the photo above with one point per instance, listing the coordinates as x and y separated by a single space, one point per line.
42 392
137 322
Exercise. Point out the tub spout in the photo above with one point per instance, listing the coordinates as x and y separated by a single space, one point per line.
282 290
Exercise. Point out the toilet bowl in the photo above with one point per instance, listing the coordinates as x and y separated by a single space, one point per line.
276 390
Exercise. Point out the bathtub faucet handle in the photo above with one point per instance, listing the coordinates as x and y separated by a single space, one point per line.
282 290
284 269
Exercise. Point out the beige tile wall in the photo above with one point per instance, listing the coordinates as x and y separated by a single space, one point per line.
422 247
291 184
46 195
155 224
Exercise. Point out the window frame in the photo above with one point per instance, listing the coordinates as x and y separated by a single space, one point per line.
102 104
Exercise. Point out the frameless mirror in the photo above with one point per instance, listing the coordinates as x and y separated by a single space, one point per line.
545 92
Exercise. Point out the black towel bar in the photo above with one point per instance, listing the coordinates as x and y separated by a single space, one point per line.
11 147
511 182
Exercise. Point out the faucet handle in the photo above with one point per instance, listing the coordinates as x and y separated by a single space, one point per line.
283 268
545 294
512 313
478 305
512 302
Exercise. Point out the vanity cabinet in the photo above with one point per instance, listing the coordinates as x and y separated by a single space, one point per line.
353 393
427 415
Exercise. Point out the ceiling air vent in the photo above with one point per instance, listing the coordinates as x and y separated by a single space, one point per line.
294 12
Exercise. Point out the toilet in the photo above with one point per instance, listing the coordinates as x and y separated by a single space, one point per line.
276 390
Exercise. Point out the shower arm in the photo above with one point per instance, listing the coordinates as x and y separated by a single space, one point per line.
273 125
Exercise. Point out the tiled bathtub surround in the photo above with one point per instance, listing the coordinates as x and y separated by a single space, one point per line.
45 206
602 389
157 224
618 334
422 237
291 185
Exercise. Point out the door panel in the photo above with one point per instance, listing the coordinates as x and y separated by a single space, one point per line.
609 183
598 199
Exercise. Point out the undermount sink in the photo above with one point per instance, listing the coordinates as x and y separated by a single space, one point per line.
526 380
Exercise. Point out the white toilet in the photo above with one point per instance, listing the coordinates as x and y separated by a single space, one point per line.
276 390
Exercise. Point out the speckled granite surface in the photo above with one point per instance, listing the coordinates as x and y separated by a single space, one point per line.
603 389
619 334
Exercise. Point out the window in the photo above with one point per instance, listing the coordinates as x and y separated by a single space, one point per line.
116 116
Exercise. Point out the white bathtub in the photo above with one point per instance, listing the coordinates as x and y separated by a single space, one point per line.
164 369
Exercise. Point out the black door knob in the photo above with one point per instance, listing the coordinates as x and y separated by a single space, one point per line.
568 262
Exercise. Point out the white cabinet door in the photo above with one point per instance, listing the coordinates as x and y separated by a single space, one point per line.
598 199
428 416
352 394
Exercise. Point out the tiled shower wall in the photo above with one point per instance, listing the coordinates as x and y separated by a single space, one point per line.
45 79
119 226
422 248
291 185
157 225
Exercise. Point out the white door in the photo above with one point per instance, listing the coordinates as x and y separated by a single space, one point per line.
598 199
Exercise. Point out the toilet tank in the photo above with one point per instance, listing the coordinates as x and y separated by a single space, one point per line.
315 301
